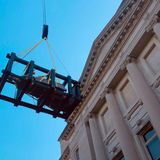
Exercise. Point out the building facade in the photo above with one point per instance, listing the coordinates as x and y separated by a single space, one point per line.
119 116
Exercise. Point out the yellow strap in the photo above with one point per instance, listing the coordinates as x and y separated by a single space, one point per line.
31 48
42 78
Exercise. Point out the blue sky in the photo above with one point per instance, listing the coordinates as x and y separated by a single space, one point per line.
73 26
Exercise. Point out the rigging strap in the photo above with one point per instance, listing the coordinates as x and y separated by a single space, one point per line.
28 50
50 53
58 58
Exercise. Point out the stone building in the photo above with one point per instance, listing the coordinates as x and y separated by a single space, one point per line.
119 116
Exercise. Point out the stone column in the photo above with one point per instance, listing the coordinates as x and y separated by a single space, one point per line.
122 131
99 147
145 92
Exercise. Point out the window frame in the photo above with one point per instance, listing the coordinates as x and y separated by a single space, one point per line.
150 75
126 109
144 143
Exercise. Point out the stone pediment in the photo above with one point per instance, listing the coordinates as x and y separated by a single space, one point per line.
105 40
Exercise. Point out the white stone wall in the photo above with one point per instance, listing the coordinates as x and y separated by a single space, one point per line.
100 138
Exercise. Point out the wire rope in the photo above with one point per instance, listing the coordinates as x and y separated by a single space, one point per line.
51 55
64 67
44 12
28 50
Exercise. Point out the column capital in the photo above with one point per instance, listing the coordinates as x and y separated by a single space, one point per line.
129 59
153 22
91 115
107 90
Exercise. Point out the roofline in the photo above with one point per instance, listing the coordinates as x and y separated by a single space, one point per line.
108 28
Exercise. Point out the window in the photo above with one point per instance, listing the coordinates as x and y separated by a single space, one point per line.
150 60
106 120
128 94
77 154
153 58
152 143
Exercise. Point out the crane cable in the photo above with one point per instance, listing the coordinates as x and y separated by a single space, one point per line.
50 53
44 38
44 12
44 32
58 58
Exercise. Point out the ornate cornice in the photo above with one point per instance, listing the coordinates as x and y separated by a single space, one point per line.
155 19
137 12
106 34
66 154
67 132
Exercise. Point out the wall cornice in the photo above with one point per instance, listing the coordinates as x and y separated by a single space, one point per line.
66 154
67 132
104 36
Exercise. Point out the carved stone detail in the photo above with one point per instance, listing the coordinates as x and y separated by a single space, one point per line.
129 59
114 150
91 115
66 154
106 90
156 84
155 19
134 108
139 122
